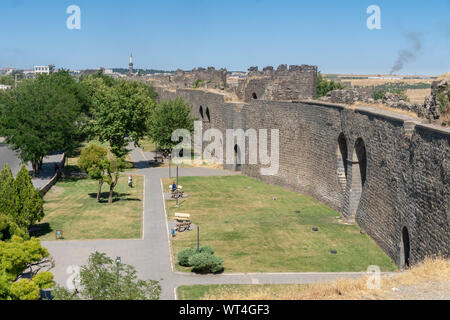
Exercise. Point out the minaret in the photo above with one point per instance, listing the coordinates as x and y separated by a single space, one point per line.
130 72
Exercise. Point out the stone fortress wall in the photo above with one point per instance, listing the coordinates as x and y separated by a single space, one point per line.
385 171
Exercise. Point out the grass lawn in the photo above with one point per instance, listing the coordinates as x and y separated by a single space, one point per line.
254 233
239 291
148 145
71 206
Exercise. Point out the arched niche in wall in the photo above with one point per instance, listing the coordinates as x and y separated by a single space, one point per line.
254 96
237 158
208 116
200 111
359 167
341 165
405 249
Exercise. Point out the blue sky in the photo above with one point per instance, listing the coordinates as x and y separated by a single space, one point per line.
234 34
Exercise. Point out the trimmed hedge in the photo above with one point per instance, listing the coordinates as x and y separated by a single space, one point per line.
205 262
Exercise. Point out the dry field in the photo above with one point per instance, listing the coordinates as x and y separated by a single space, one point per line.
418 95
428 280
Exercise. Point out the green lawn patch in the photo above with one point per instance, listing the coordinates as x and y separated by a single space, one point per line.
71 206
254 233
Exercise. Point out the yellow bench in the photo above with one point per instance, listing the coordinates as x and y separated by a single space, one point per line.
182 216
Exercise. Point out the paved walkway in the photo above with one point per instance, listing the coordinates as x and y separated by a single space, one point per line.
11 158
151 255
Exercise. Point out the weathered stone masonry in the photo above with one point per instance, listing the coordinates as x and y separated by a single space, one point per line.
385 171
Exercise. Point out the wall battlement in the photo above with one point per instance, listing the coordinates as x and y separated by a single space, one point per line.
282 84
385 171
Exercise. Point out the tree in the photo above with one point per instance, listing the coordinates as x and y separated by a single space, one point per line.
168 117
113 167
18 257
92 161
104 279
120 114
7 80
8 195
30 205
40 117
324 86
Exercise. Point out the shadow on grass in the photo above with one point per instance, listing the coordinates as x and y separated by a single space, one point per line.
200 272
40 230
104 196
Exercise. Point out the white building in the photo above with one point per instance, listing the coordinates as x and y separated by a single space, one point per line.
44 69
5 87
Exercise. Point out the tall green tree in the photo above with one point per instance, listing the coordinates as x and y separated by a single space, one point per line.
120 114
8 195
93 161
40 117
104 279
17 257
30 205
168 117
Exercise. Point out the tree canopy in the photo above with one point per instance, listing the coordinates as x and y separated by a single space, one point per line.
39 117
104 279
21 205
18 256
121 112
168 117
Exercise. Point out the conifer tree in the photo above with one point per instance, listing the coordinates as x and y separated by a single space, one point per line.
8 196
30 208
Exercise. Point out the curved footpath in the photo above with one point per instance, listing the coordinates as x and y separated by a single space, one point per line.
151 255
46 173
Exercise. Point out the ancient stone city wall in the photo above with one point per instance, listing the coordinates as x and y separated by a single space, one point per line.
384 171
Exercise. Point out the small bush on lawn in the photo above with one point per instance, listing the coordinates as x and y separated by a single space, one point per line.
183 256
205 262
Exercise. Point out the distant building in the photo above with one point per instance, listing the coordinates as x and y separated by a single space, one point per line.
44 69
7 71
5 87
130 72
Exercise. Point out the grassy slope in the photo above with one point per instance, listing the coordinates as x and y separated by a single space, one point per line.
254 233
71 206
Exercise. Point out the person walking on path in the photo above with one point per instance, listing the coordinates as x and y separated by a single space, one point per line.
130 181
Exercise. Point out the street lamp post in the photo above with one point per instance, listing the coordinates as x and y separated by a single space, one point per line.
170 160
198 239
177 188
118 260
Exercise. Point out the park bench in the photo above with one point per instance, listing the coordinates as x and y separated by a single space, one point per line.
183 226
182 217
158 158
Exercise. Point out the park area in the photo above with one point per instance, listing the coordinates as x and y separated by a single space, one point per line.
257 227
71 206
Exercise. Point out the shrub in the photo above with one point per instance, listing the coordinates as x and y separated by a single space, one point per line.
378 94
183 256
324 86
205 262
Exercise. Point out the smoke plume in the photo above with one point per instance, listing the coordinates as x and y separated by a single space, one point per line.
407 55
